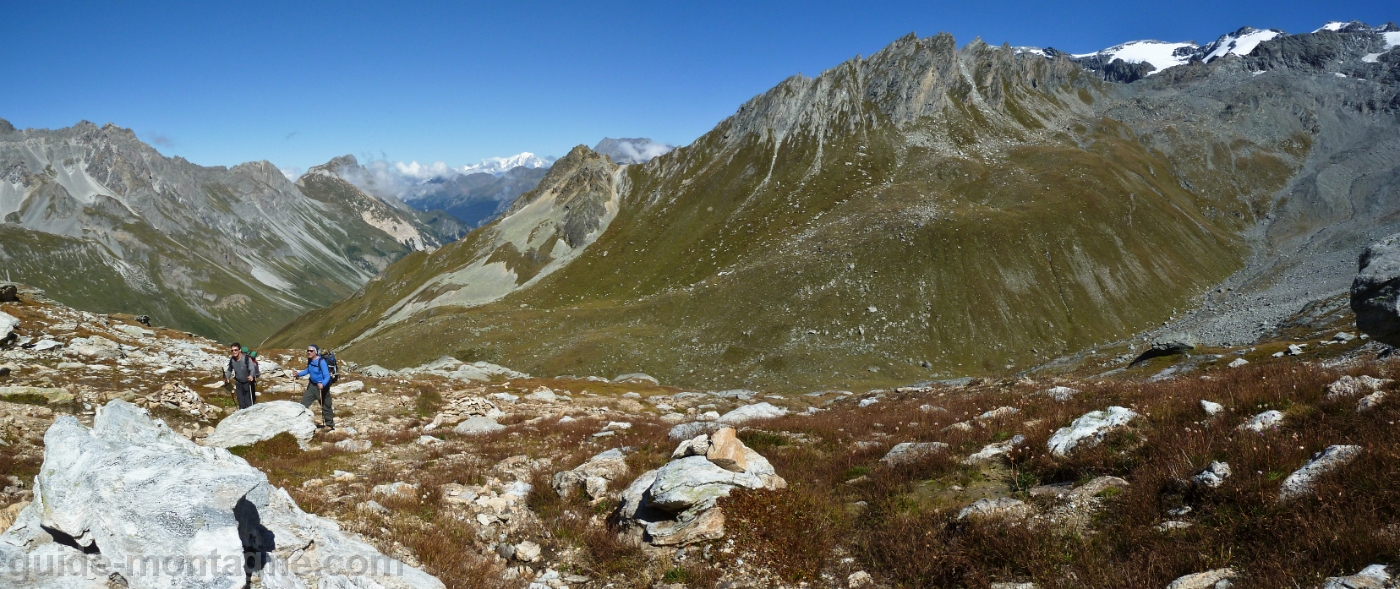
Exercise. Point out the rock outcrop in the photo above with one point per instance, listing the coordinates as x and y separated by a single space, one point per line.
1375 292
675 504
159 511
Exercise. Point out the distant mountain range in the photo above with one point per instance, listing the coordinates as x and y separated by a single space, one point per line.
928 212
475 195
103 222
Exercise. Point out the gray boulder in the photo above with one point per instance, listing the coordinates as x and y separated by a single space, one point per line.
8 323
95 347
1376 576
129 490
751 412
1214 475
1375 292
593 476
686 431
636 377
478 425
911 451
1301 481
1214 579
261 422
694 480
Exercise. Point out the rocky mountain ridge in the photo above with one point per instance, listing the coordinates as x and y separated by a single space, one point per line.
932 211
103 221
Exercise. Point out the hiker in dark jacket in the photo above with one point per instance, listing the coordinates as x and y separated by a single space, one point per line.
319 387
243 372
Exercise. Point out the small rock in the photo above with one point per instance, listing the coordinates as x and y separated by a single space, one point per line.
353 445
396 488
1060 393
374 507
1206 580
1267 420
353 386
994 450
605 434
618 426
1005 585
1343 337
911 451
636 377
1370 401
1295 349
686 431
477 426
1003 507
1237 362
428 440
868 402
527 551
961 426
542 395
1213 476
859 579
1376 576
998 412
726 451
1172 526
1211 408
1301 481
748 413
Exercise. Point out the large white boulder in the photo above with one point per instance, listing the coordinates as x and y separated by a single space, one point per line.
262 422
752 412
1089 429
8 323
137 499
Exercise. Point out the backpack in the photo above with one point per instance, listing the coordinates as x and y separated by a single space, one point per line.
332 366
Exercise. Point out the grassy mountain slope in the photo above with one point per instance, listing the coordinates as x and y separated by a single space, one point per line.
103 222
926 212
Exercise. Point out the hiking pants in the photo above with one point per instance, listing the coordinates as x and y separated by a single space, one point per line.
313 393
243 391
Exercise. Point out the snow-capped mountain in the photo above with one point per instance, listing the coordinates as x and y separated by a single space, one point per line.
1160 54
1134 60
501 165
1240 42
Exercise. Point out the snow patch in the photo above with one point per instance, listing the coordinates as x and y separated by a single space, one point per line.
1333 26
1160 54
1239 45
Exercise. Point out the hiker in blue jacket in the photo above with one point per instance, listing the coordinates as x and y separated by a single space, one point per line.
319 387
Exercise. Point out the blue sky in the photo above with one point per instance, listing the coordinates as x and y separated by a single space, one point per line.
298 83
